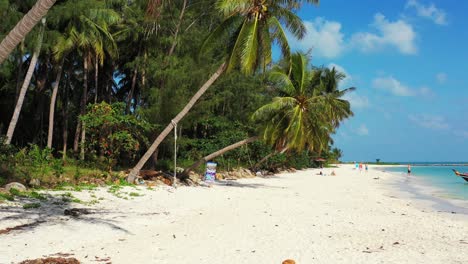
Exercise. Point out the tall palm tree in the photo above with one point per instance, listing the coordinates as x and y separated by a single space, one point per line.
308 107
25 86
251 26
24 26
88 32
53 99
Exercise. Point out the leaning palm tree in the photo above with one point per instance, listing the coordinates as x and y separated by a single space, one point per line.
251 27
24 26
25 86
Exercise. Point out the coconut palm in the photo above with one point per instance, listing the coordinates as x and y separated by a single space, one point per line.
24 26
88 32
251 27
308 109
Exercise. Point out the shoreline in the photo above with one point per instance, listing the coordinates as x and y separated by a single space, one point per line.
423 193
347 218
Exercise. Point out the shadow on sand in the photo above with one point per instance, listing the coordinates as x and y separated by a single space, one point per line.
53 210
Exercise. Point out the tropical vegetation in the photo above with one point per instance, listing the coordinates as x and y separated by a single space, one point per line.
88 90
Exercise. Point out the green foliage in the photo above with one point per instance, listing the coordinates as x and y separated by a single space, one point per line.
14 191
5 196
307 109
112 133
32 194
34 162
31 206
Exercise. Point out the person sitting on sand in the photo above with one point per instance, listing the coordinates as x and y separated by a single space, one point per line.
333 173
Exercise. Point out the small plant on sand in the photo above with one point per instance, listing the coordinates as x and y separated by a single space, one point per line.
68 197
6 197
134 194
31 205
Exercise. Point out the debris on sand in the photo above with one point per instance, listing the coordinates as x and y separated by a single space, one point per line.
51 261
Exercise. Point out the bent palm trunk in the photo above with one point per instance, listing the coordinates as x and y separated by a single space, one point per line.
218 153
24 88
24 26
269 156
136 170
52 106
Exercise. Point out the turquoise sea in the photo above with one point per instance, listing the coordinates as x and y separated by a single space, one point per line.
440 177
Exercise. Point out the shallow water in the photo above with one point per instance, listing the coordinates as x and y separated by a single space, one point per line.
442 178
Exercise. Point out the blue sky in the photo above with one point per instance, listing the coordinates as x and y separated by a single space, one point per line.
408 59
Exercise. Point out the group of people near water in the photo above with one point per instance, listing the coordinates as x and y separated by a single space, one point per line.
361 166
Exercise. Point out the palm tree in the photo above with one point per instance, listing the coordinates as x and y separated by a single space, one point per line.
252 26
53 99
24 26
308 109
88 32
24 88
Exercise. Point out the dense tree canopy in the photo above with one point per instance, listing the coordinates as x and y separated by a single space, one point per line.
137 63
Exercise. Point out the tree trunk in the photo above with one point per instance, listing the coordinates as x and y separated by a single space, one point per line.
218 153
76 141
24 88
176 33
96 75
132 90
52 105
83 140
19 76
65 119
84 100
135 171
269 156
24 26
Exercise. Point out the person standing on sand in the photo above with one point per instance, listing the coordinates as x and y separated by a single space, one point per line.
367 167
356 165
409 169
360 167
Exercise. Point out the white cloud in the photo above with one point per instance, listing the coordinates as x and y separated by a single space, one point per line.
430 121
323 37
362 130
398 34
326 39
431 12
392 85
395 87
441 77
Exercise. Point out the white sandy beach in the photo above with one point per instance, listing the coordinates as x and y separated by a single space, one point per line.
348 218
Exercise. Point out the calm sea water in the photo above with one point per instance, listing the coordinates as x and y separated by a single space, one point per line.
440 177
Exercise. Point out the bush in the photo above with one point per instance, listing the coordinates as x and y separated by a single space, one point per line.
27 163
112 133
